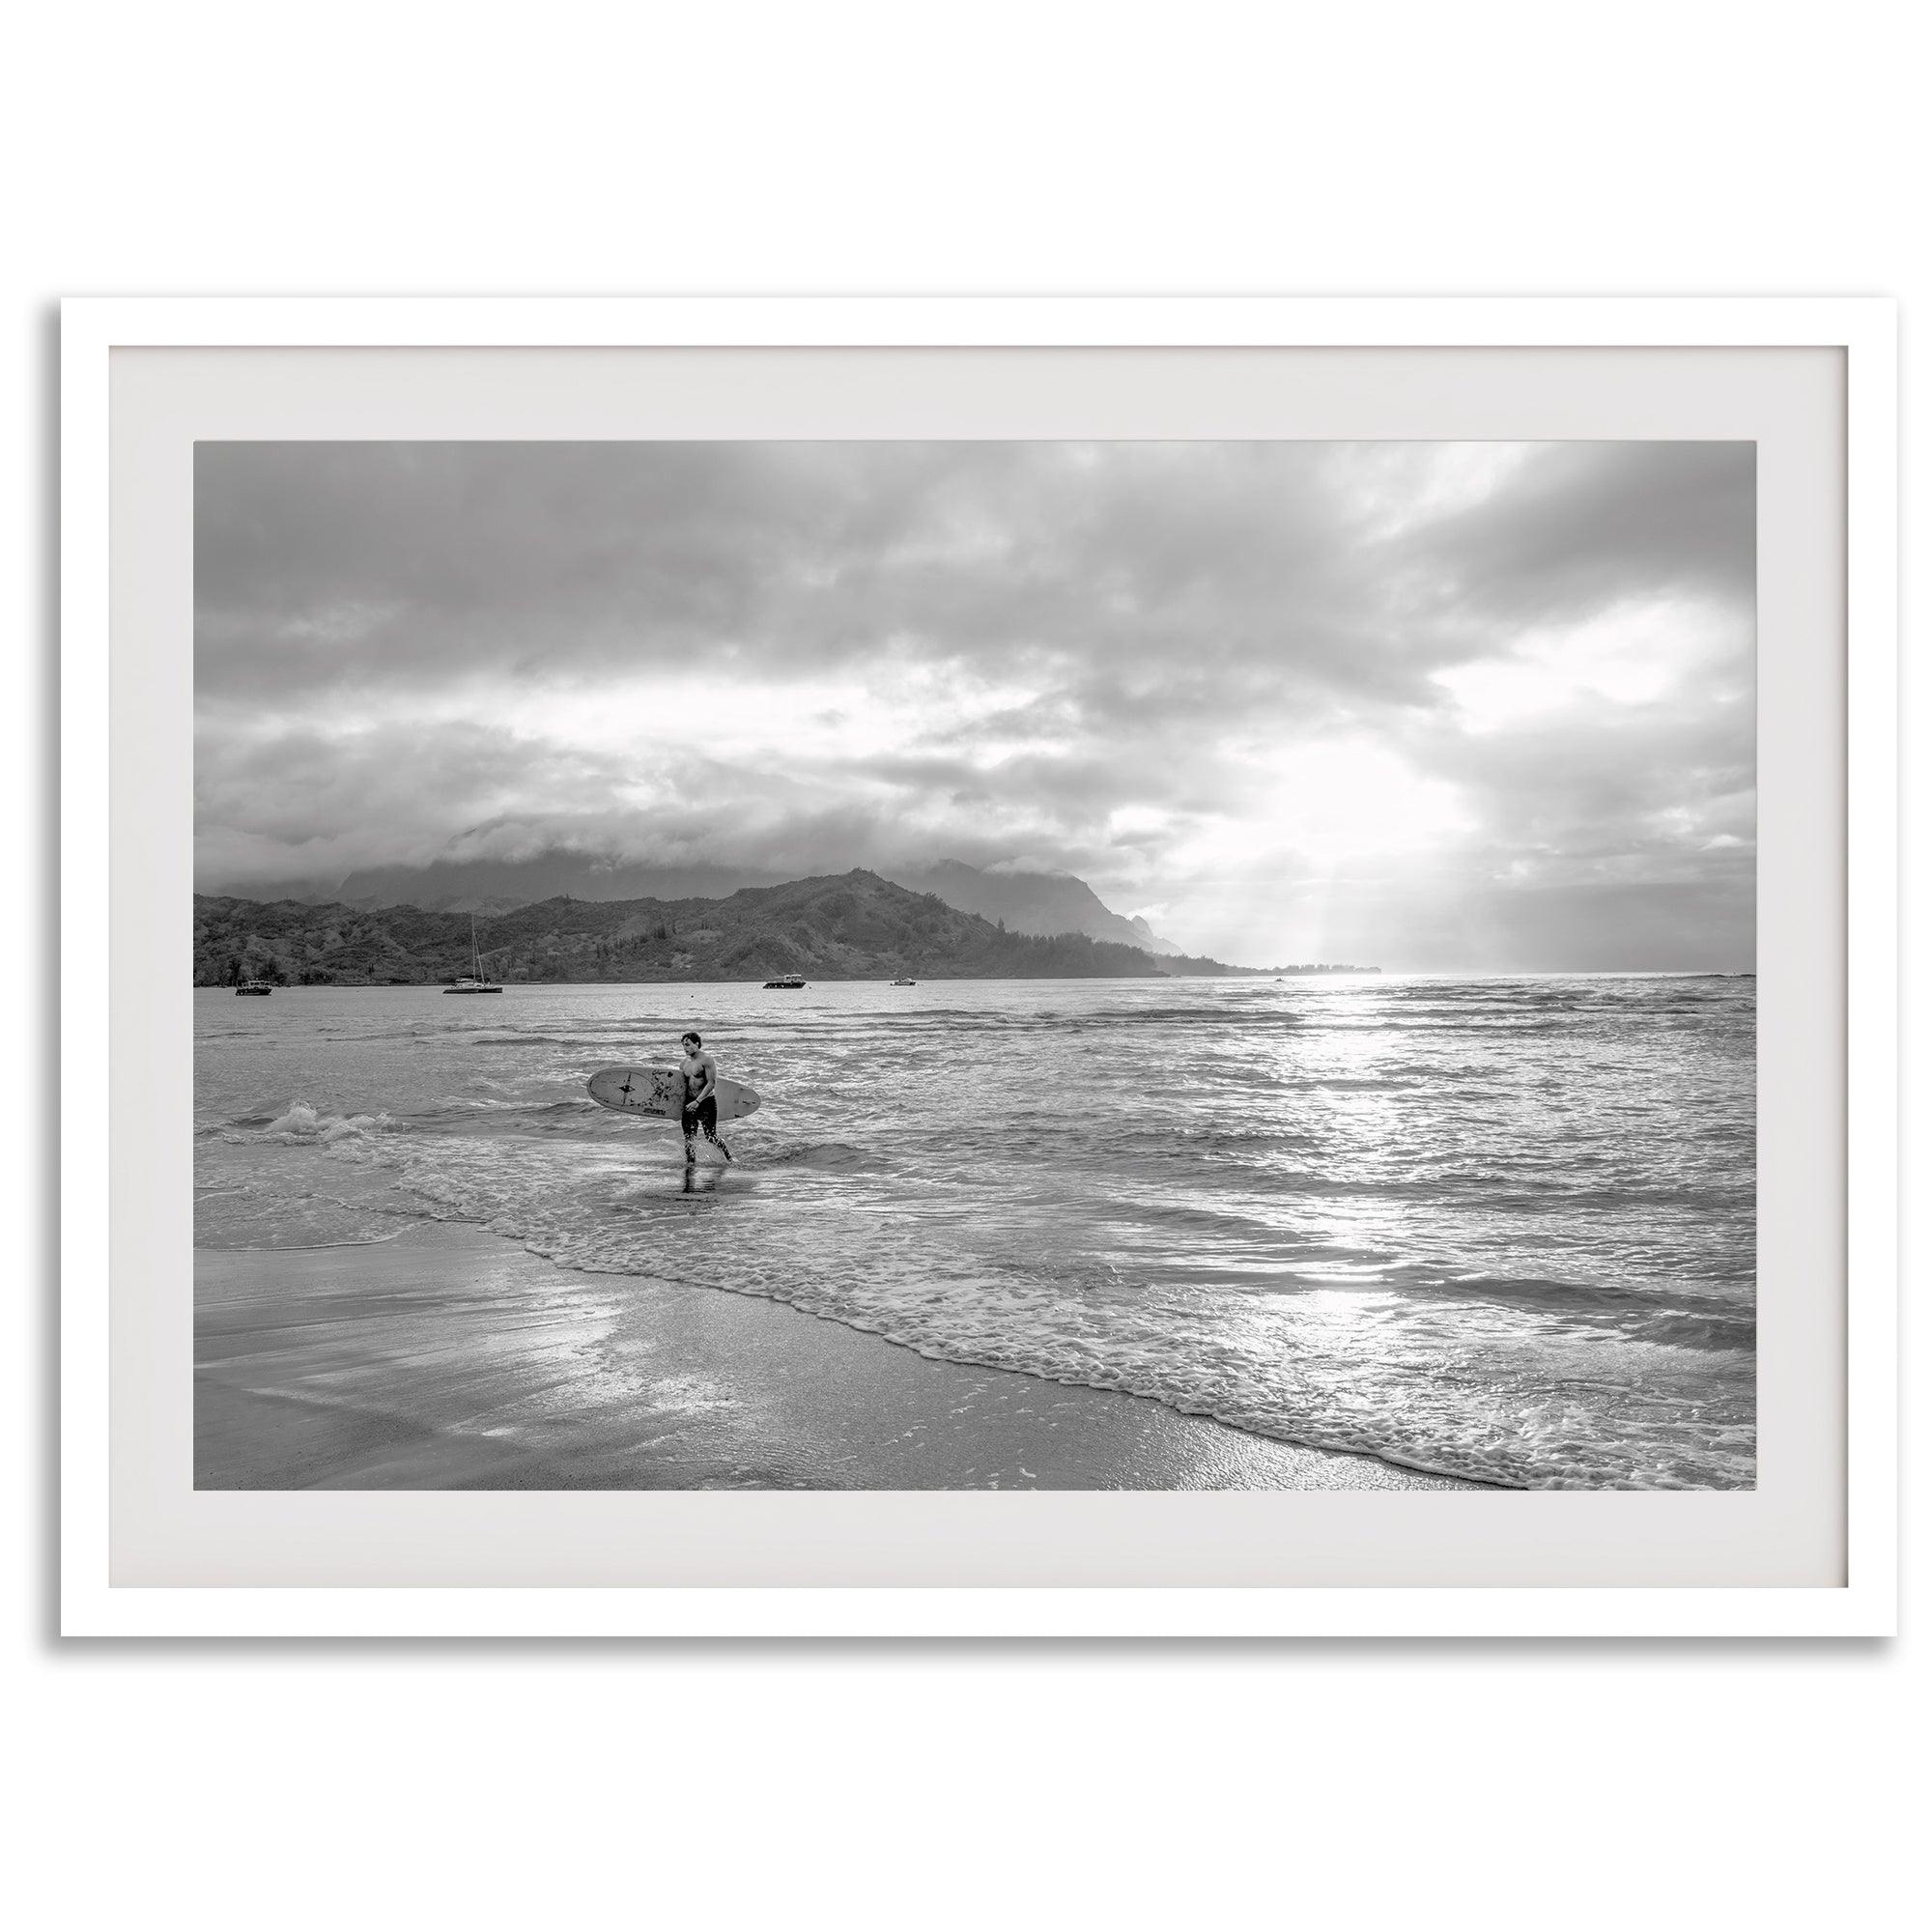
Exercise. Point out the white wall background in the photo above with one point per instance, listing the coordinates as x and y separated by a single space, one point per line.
478 148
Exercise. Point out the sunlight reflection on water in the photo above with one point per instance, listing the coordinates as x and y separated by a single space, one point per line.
1497 1228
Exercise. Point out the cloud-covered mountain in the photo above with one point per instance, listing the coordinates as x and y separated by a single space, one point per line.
1030 902
484 885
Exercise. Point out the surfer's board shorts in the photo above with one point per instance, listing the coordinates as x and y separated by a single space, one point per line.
704 1114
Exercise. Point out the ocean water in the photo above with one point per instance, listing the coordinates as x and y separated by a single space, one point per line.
1498 1228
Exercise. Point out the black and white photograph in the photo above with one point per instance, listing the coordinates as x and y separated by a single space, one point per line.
958 950
975 965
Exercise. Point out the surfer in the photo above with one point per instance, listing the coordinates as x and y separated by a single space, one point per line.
701 1097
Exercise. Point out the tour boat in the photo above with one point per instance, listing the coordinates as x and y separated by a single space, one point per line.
786 983
473 982
258 989
905 983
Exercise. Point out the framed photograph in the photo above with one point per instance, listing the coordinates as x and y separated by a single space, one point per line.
1120 967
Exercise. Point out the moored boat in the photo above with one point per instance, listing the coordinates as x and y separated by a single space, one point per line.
473 982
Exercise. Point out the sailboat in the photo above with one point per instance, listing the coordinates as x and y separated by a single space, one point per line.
473 982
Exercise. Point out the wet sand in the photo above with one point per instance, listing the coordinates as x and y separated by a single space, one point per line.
449 1358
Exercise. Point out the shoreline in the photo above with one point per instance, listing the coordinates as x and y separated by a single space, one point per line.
448 1357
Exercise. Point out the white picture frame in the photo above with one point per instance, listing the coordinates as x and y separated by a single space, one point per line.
1862 1602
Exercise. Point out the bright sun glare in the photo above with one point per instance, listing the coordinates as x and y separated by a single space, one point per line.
1328 805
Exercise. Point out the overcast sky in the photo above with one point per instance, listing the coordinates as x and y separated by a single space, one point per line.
1416 704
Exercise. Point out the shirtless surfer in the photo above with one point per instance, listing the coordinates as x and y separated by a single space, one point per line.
701 1097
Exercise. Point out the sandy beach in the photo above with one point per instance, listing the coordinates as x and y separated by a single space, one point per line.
449 1358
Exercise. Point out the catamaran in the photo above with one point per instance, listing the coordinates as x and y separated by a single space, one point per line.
473 982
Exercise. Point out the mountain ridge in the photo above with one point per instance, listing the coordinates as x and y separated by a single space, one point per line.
852 925
1038 903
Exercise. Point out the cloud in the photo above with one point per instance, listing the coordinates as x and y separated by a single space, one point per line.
1231 679
1582 526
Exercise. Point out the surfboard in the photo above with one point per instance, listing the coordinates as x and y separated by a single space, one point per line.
659 1090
